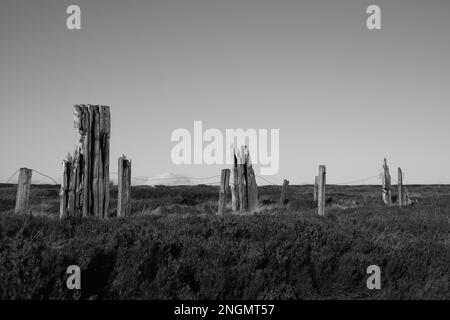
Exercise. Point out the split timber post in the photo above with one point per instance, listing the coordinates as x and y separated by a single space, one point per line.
321 190
65 187
124 188
86 191
284 192
235 184
242 180
247 189
224 184
400 188
23 190
316 186
386 188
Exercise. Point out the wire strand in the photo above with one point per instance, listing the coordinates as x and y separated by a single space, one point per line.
46 176
10 178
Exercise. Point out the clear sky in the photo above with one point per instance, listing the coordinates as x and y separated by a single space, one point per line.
340 94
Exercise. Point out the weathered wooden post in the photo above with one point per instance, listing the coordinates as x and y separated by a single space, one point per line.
386 188
246 189
400 188
23 190
89 186
224 184
124 188
284 192
235 184
65 185
321 190
242 180
316 186
252 188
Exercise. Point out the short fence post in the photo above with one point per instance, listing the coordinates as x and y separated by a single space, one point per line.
316 186
284 192
23 190
321 190
400 188
124 188
386 189
65 184
224 184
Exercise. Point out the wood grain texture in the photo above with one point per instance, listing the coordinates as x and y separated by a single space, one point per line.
23 190
224 185
321 190
316 187
124 187
386 181
235 185
65 183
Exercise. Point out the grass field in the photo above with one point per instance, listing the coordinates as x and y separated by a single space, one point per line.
175 247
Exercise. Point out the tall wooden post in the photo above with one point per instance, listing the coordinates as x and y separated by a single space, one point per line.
400 188
252 188
245 188
235 185
284 192
316 186
23 190
224 184
242 180
321 190
386 189
91 181
124 189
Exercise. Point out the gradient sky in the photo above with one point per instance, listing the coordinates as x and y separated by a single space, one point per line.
340 94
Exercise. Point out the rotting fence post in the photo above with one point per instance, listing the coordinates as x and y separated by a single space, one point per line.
124 187
321 190
23 190
224 184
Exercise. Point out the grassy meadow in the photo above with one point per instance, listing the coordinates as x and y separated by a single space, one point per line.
174 246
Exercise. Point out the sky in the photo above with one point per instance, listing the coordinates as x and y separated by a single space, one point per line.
341 95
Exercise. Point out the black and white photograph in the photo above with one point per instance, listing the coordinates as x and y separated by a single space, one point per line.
238 153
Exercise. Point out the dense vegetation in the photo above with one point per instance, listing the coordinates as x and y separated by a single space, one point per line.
174 247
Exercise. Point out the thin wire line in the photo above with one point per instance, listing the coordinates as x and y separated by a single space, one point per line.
361 180
44 175
271 182
171 178
10 178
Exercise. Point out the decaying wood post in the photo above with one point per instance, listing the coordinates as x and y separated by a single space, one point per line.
235 184
242 181
224 184
65 185
252 188
23 190
284 192
386 188
400 188
246 192
124 189
321 190
87 193
316 186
